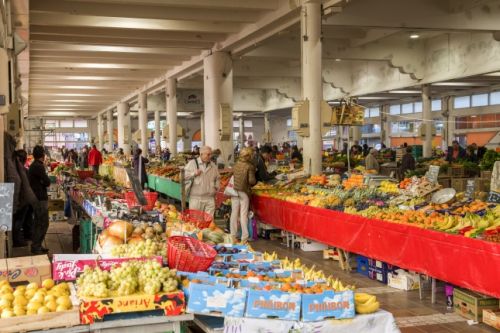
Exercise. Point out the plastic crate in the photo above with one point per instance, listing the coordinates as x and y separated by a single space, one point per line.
201 219
187 254
151 198
87 236
362 265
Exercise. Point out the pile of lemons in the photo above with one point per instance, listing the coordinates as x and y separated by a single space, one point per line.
33 299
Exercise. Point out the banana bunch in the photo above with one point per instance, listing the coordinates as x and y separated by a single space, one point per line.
291 265
389 187
311 274
270 256
448 223
337 285
365 303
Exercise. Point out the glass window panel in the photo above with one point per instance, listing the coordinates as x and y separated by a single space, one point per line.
395 109
436 105
82 123
461 102
248 123
236 123
376 128
50 123
495 98
418 107
438 124
289 122
394 127
407 108
375 112
66 123
480 100
367 113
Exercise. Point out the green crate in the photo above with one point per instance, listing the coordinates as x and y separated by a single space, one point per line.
53 179
87 236
152 182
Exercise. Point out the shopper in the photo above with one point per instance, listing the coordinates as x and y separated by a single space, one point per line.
139 163
296 155
39 182
121 152
371 162
407 162
95 159
261 173
455 152
22 229
244 179
203 178
166 155
366 149
356 149
217 158
83 159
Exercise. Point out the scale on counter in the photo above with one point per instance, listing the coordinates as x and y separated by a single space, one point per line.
375 180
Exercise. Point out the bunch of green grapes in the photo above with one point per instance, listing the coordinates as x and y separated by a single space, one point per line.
123 279
93 282
148 248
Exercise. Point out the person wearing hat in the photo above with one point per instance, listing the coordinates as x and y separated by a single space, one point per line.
244 179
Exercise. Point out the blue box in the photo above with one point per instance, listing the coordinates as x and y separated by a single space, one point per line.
328 305
273 304
380 265
362 265
377 274
216 300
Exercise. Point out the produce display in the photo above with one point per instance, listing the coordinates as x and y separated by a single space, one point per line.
32 299
130 277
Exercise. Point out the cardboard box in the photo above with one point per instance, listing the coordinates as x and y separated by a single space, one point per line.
492 318
273 304
56 216
216 300
377 274
310 246
66 267
470 305
403 280
328 305
26 269
362 265
95 309
55 205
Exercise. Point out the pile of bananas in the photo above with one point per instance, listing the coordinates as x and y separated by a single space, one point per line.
365 303
389 187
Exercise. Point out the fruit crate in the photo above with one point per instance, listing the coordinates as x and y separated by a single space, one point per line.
46 321
87 236
457 171
103 309
459 184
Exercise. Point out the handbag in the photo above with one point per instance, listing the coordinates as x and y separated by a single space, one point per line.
229 190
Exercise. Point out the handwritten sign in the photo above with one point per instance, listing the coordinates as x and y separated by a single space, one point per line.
433 173
136 186
6 205
470 187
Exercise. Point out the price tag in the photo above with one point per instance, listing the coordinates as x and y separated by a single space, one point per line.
433 173
470 188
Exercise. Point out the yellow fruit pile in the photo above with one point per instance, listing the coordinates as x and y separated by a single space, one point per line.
33 299
365 303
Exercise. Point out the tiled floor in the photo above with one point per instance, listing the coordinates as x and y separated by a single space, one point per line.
412 314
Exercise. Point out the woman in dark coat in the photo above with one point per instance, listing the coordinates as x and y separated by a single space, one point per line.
139 164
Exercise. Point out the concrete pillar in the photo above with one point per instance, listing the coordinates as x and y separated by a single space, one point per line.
451 121
426 121
218 88
143 122
128 133
110 129
202 128
267 127
157 131
171 104
356 133
241 139
123 109
100 131
312 85
385 126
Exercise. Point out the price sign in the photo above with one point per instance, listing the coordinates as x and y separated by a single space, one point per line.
494 197
470 187
433 173
6 205
136 186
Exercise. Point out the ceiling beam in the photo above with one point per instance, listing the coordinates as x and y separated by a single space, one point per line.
57 19
104 55
165 51
51 59
145 11
47 64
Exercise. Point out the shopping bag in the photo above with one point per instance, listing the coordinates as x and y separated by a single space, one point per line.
229 190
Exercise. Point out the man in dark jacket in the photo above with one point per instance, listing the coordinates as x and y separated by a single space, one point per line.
261 173
39 181
407 162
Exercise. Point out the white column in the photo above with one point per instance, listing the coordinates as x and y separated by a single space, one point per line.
356 133
426 117
451 121
100 131
109 117
127 123
218 88
267 127
202 128
143 122
157 130
385 126
123 108
171 104
242 132
312 86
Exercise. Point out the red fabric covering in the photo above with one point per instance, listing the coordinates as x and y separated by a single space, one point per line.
470 263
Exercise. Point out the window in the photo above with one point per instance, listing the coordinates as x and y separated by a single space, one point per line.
292 135
51 123
495 98
370 128
331 133
417 107
395 109
461 102
248 123
367 113
375 112
289 122
407 108
66 123
81 123
394 127
436 105
438 124
236 123
480 100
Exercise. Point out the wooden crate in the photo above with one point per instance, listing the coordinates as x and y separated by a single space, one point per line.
457 171
458 184
445 182
45 321
483 184
486 174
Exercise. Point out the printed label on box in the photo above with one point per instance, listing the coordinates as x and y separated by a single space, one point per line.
273 304
328 305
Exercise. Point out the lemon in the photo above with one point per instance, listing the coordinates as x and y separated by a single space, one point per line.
48 284
20 300
8 296
38 297
34 306
52 306
5 304
19 310
31 312
6 289
29 293
65 301
50 298
63 286
43 310
32 285
7 313
61 308
19 292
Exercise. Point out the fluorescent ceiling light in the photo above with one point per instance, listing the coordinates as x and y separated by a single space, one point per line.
404 91
338 59
375 98
414 36
183 114
493 74
459 84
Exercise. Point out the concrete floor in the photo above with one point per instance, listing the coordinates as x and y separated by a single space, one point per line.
412 314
